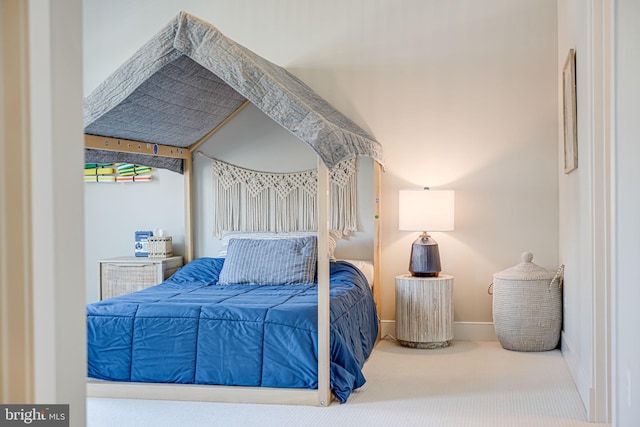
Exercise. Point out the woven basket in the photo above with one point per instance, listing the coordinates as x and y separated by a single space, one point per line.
160 246
527 306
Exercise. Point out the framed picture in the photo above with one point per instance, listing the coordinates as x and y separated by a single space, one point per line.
569 112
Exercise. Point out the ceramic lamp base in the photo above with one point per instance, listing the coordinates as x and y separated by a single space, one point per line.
425 257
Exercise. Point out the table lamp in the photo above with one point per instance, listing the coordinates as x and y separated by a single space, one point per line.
425 210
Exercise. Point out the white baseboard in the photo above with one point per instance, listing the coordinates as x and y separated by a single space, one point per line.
474 331
462 331
579 375
387 328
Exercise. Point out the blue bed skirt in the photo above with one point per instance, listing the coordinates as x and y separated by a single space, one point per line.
189 330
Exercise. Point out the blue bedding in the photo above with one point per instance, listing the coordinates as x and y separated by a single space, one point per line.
190 330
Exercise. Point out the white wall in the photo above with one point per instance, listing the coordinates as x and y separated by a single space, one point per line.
586 205
462 95
471 108
59 316
115 211
575 204
626 373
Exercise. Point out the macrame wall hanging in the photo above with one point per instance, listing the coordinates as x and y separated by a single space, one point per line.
250 200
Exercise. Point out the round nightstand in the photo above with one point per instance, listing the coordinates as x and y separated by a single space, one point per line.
424 311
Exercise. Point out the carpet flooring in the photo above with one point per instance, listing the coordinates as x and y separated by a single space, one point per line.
470 383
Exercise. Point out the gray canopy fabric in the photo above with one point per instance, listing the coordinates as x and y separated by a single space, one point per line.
190 77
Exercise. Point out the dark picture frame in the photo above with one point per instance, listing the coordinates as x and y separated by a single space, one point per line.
569 108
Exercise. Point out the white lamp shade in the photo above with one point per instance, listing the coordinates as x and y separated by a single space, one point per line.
426 210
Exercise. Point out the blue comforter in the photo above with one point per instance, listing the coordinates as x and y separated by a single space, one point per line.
190 330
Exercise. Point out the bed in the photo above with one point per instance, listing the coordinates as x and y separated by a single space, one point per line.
192 330
156 110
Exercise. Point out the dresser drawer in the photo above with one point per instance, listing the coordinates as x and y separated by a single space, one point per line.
124 275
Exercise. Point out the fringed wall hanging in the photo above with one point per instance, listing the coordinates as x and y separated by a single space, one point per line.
250 200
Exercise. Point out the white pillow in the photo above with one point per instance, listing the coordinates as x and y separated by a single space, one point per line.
334 235
365 266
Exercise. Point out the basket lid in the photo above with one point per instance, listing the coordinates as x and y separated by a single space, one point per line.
526 270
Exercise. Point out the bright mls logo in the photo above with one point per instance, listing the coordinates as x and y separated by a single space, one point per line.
35 415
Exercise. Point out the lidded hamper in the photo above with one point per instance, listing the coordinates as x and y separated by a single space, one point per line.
527 306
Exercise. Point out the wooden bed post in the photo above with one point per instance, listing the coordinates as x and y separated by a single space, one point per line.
324 390
377 289
188 208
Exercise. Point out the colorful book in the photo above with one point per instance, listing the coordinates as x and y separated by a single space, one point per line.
135 171
99 171
130 169
100 178
135 178
116 172
97 165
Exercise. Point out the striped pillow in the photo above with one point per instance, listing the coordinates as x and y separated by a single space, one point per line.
270 262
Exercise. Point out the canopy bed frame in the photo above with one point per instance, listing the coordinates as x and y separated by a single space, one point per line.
170 97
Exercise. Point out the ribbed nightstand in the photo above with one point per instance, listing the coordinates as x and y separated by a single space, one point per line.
127 274
424 311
